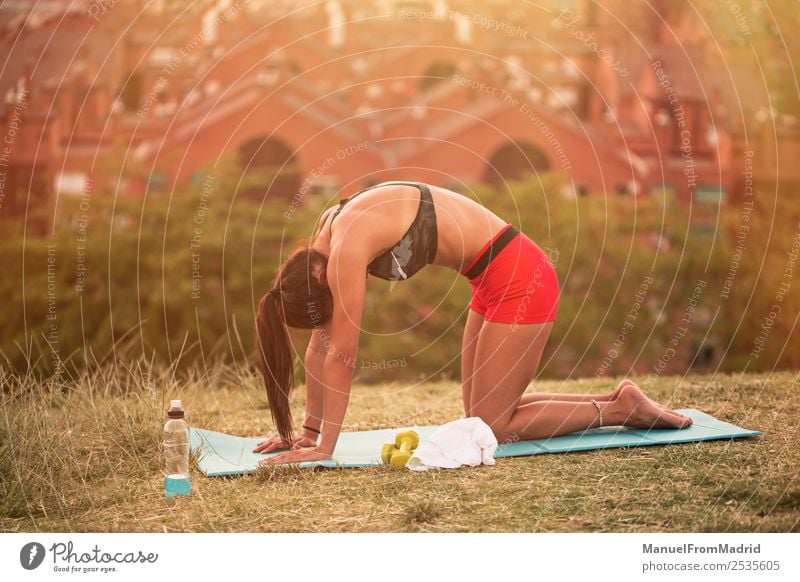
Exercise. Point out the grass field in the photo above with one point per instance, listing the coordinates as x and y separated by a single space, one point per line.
85 457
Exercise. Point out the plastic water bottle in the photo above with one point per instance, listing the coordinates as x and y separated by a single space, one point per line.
176 452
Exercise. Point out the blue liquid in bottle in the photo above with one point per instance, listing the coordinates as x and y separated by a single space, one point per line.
176 485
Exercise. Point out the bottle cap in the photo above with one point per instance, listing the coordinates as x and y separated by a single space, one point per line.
175 409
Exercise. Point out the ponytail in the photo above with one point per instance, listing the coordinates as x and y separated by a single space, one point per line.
276 363
299 298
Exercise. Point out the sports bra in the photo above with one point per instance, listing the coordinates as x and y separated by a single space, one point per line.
416 248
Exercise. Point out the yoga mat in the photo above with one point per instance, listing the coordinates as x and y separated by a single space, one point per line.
223 454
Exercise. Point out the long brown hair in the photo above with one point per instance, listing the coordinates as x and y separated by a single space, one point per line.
297 299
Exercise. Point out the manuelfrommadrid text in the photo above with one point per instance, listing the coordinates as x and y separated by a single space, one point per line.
693 549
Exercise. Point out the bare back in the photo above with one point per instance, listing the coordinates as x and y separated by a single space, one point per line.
382 215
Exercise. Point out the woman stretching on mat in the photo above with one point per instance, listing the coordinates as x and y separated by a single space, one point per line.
391 231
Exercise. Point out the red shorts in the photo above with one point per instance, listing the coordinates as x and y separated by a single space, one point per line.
518 286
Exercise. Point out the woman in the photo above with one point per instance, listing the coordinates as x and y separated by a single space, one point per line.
391 231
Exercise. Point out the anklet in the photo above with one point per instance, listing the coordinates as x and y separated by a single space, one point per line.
599 410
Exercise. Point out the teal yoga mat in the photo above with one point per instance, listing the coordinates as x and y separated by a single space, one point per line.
223 454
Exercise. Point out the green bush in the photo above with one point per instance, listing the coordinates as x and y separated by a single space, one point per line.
141 297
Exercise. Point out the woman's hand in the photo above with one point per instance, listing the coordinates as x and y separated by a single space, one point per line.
297 456
277 443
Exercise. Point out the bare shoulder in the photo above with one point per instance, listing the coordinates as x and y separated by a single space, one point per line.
446 192
407 189
348 255
372 214
323 219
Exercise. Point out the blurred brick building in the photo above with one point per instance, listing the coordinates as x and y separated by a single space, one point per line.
327 97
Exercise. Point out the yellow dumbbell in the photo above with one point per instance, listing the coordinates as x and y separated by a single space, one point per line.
399 452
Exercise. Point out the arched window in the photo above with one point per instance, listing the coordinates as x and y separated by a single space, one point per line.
515 161
268 169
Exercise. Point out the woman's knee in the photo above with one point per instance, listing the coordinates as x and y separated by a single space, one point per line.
501 427
504 434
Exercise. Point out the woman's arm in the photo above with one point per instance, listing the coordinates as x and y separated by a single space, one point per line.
309 433
347 280
346 276
314 362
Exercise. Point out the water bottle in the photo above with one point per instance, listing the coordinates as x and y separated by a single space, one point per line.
176 452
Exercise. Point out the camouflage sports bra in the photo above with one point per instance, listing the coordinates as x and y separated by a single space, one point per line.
416 248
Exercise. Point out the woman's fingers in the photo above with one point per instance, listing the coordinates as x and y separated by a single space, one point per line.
269 445
278 459
297 456
277 444
287 457
262 446
302 443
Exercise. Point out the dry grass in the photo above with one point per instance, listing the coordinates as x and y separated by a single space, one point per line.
85 457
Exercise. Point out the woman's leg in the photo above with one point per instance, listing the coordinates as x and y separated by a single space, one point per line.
506 359
468 345
543 396
538 396
553 418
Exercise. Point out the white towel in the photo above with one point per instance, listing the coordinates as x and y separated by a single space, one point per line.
467 441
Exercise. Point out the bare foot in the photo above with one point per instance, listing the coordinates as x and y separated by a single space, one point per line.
637 411
627 382
620 386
